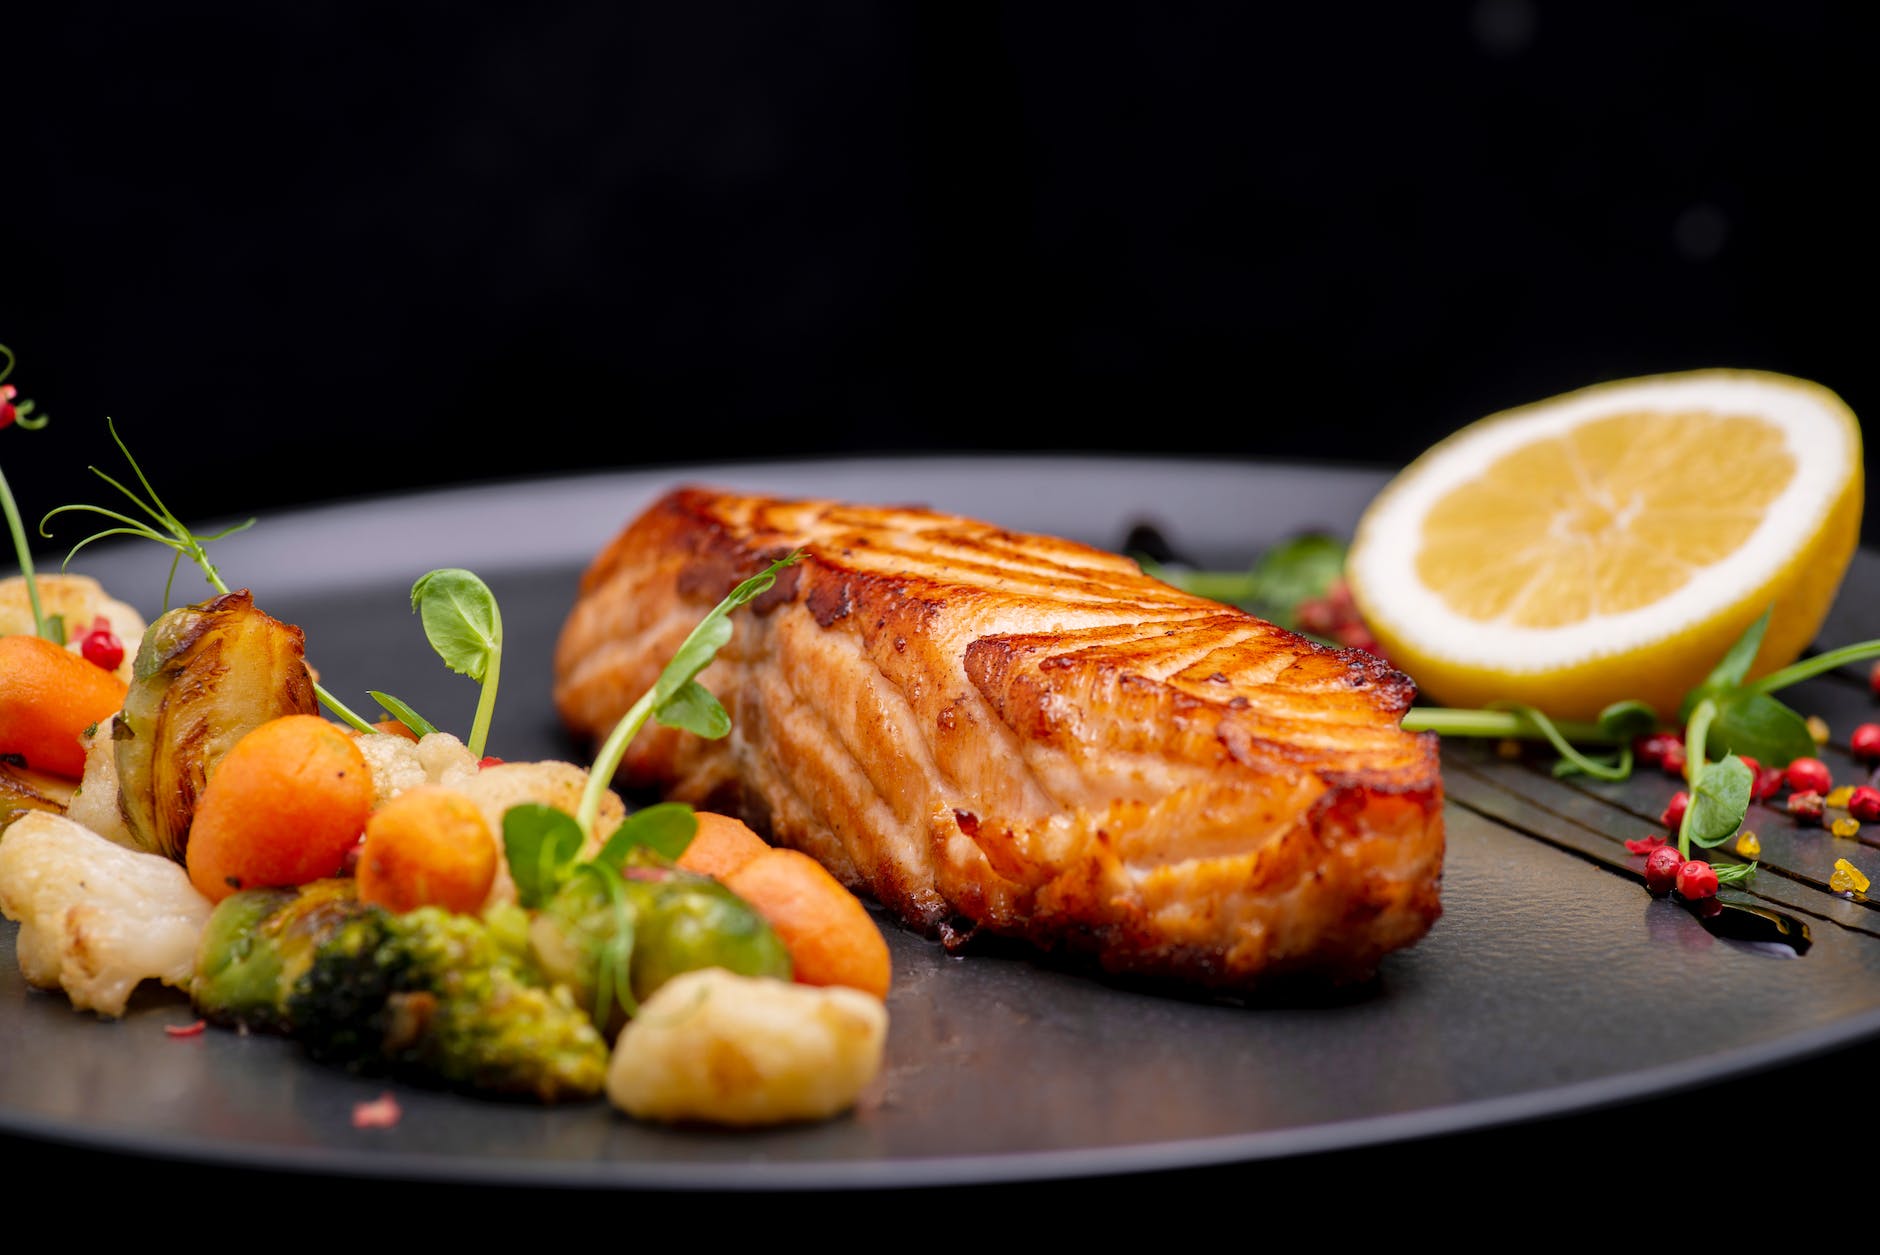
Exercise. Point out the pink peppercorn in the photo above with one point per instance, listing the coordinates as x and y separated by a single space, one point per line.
1809 775
1674 809
1767 784
101 646
1651 748
1864 804
1807 805
1661 869
1866 742
1697 879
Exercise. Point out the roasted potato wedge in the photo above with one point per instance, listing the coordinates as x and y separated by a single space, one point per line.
205 676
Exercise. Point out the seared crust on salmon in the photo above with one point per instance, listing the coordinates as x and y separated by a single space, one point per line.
985 729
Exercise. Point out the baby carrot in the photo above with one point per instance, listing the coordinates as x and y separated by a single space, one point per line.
831 937
721 846
284 807
428 846
48 697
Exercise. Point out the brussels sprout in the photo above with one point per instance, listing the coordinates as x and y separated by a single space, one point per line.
672 922
204 677
259 942
689 922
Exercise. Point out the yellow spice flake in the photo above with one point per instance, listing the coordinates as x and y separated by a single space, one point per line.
1839 796
1748 845
1847 876
1845 826
1818 729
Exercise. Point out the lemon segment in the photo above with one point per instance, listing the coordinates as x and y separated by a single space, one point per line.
1612 542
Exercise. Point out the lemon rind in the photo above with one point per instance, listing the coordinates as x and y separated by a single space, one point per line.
1384 549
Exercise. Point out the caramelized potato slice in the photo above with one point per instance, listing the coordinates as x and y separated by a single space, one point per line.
205 676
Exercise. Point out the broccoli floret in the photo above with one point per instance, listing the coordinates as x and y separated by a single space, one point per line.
433 996
427 995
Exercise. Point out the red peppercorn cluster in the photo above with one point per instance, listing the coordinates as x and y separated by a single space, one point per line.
1666 869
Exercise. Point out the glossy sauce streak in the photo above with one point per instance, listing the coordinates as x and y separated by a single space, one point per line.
1762 928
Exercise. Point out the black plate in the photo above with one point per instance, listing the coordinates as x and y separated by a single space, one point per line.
1552 984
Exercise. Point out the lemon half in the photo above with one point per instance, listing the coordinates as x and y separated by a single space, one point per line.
1613 542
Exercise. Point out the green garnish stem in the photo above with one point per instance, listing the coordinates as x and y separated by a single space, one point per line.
607 761
18 528
1695 733
486 700
1808 668
1496 723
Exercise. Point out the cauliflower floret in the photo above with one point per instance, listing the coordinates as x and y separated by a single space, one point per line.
398 763
95 918
78 599
496 788
714 1046
95 805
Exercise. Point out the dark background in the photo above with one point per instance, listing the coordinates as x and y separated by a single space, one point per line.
304 252
300 252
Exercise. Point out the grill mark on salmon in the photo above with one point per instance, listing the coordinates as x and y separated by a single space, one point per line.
1024 735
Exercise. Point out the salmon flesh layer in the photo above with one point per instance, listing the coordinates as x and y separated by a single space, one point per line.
1021 734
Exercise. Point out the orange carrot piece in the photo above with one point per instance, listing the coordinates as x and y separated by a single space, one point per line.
831 937
721 846
48 697
284 807
429 846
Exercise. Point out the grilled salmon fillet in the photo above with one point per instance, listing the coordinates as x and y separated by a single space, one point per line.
1021 734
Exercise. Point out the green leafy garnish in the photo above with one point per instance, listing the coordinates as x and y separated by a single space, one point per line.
1719 800
20 414
164 527
168 530
542 844
676 699
614 967
465 627
1733 873
666 829
419 725
1725 713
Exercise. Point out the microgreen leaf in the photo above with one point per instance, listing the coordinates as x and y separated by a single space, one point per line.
666 829
1733 873
403 713
460 619
694 709
1623 721
464 626
676 682
542 844
1719 800
1758 725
